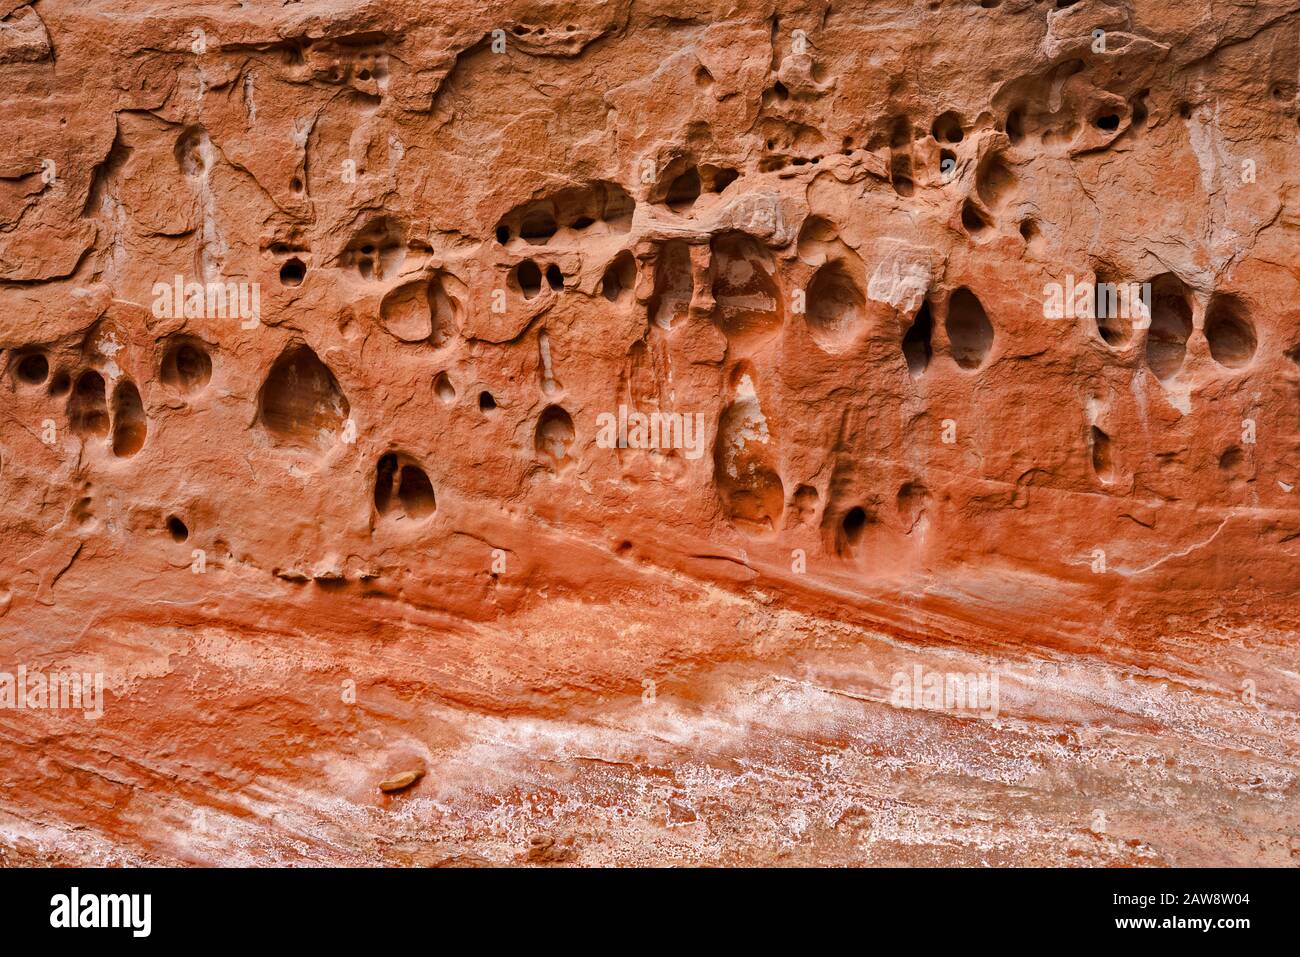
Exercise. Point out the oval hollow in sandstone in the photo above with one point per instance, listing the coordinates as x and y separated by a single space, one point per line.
619 278
917 348
749 308
300 404
444 389
129 426
1171 325
970 334
406 313
834 308
88 406
553 437
752 492
1229 331
186 365
32 368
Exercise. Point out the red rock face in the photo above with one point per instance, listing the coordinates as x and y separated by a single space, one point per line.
605 434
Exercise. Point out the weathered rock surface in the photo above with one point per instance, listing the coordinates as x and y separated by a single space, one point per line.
364 548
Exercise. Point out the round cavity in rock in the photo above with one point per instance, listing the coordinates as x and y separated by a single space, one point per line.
528 278
293 272
33 368
61 383
970 333
1229 331
486 403
947 128
1171 325
186 365
554 436
177 529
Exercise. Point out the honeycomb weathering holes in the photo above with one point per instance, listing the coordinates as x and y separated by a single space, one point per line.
300 404
444 389
527 278
420 311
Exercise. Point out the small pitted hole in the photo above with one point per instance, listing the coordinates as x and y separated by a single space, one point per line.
186 366
528 277
973 219
33 368
295 184
1185 110
554 278
623 547
520 31
503 234
177 529
486 403
293 272
947 128
780 90
620 276
1108 122
1015 126
60 384
446 391
385 472
916 344
363 75
1028 230
852 526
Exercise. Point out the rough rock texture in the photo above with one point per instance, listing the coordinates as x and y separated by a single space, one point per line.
367 583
